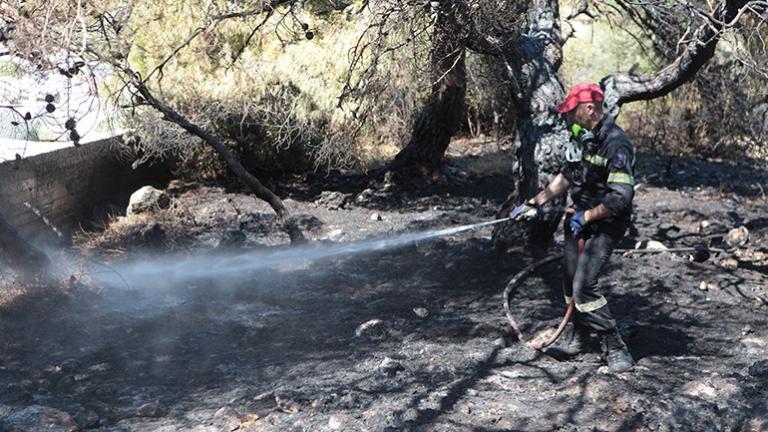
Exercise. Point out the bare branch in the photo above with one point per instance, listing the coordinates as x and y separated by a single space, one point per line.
622 87
173 116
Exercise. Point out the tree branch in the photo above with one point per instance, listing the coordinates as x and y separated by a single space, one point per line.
621 88
171 115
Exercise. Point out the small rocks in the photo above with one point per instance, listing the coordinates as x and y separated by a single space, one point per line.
228 418
751 345
703 225
668 227
332 200
711 388
267 395
287 404
650 245
70 365
308 222
729 263
707 286
147 199
738 237
5 410
232 239
38 417
364 196
349 401
335 235
390 366
376 217
371 328
150 409
225 412
87 419
421 312
411 415
336 422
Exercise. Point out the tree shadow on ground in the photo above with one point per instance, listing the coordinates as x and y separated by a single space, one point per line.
293 332
166 343
743 177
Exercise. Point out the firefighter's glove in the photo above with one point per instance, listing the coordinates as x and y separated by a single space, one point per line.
577 222
526 211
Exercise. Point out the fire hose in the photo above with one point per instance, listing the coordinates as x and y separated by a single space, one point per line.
517 278
568 312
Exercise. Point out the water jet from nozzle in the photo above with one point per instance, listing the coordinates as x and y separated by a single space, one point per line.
173 269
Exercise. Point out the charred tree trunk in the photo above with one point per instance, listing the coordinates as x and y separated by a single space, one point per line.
533 66
21 256
440 118
533 63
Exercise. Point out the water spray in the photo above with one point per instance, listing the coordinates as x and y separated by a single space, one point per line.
163 270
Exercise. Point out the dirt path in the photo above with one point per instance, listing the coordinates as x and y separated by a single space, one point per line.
407 339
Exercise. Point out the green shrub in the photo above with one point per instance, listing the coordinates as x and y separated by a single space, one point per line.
275 101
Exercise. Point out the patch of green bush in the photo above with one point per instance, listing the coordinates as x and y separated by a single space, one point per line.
274 101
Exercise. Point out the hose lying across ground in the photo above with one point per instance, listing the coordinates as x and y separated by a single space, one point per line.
516 279
513 284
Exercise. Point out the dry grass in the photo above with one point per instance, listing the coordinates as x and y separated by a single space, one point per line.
109 241
286 93
481 156
18 295
11 292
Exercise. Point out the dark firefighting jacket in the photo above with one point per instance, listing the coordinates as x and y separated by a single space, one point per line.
605 173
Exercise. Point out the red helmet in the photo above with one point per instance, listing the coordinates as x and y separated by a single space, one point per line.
579 94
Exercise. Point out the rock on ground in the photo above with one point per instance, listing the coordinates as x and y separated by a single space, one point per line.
147 199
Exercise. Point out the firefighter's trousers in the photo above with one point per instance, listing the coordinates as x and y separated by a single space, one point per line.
581 274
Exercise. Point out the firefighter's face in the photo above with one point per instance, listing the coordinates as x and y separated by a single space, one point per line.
582 115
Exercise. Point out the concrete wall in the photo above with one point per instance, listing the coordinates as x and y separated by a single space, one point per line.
65 185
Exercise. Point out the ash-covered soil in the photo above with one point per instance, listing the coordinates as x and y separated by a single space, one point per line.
412 338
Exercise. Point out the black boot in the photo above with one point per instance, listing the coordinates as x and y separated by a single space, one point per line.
575 341
615 351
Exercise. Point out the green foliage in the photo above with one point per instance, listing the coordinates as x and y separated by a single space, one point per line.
598 49
274 101
10 70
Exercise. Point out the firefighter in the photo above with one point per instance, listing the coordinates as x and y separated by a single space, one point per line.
598 173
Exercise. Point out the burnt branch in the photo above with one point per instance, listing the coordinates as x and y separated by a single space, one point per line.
622 88
237 168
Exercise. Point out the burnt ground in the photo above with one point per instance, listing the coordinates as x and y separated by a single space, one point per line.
412 338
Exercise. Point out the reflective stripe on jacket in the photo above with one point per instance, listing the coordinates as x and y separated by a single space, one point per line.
605 176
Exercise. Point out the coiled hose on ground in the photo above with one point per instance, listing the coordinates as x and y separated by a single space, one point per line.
517 278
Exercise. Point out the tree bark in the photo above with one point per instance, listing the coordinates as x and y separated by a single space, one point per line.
533 66
21 256
533 62
441 117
